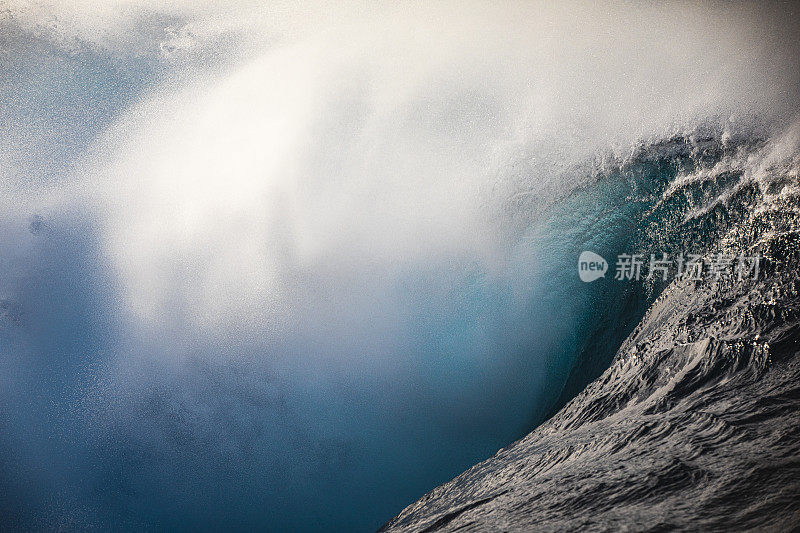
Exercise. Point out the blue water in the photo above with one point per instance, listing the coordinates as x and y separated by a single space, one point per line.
387 384
107 427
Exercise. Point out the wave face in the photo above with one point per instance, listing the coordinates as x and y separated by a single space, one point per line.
694 424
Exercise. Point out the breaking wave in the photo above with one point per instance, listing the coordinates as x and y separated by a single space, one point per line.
277 266
694 422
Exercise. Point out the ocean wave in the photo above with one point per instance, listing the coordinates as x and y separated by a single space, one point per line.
694 423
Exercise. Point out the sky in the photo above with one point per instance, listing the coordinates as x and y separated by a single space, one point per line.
268 265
